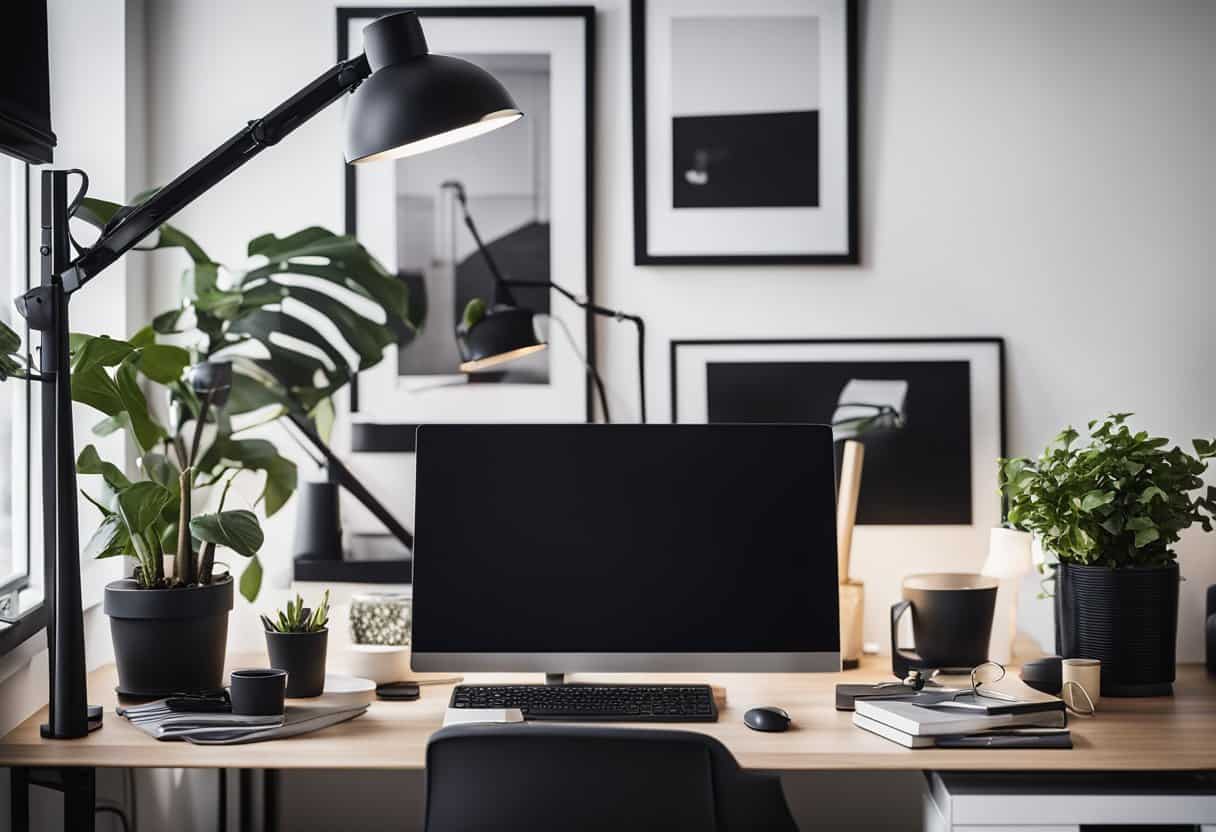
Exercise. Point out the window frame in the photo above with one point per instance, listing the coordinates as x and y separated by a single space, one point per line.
32 620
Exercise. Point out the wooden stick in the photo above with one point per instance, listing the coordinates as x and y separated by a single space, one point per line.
846 505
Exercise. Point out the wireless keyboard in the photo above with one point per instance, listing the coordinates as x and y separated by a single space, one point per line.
594 703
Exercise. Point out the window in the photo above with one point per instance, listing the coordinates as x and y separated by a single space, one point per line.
21 613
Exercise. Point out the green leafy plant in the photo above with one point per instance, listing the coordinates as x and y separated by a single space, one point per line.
1120 499
297 618
310 311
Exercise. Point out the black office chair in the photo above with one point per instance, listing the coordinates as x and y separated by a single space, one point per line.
538 777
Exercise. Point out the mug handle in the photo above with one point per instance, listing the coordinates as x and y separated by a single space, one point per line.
902 659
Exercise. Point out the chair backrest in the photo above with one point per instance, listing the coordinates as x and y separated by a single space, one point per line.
538 777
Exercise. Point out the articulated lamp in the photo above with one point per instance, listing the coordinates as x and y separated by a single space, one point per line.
406 101
506 331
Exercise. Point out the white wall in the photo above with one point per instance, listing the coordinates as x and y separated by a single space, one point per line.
1033 170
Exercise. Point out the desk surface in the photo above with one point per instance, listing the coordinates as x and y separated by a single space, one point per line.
1171 733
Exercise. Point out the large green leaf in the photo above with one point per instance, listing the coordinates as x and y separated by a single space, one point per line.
255 455
249 394
163 363
109 540
237 530
147 431
349 264
261 324
251 580
95 388
101 351
140 505
90 462
365 336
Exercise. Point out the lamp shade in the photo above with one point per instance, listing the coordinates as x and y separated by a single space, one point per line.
504 334
1008 554
415 101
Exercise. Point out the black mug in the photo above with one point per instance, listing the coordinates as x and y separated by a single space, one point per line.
951 621
258 691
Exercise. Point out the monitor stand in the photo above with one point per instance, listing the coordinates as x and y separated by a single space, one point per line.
555 678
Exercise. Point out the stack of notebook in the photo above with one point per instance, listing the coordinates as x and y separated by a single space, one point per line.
944 719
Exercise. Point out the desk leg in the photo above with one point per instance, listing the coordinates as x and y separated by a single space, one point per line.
243 794
19 795
270 800
79 799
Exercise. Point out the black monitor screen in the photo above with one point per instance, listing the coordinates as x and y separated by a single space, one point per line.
625 539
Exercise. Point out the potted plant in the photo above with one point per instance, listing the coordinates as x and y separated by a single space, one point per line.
223 345
296 640
1109 511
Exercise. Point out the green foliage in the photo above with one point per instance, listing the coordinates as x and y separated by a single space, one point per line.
11 360
297 618
1119 500
315 309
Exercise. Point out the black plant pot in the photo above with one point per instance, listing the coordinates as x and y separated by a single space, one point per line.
1125 618
302 655
168 640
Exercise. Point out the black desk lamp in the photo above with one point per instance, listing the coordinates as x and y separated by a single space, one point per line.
506 332
408 101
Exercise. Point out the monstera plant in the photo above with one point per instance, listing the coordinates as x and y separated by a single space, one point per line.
286 333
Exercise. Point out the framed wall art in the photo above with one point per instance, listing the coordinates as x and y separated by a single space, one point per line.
745 132
529 188
938 469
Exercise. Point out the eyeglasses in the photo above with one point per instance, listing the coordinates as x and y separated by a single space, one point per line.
986 674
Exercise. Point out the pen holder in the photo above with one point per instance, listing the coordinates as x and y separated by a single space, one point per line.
257 691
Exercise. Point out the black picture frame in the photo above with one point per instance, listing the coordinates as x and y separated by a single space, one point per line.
588 14
641 253
979 343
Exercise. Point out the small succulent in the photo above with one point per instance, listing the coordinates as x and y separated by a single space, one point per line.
297 618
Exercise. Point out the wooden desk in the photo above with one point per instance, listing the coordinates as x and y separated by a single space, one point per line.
1164 734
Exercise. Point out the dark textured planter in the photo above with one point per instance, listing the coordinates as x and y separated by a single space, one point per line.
1125 618
168 640
302 655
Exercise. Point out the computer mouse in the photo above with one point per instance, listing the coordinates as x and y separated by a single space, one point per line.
766 718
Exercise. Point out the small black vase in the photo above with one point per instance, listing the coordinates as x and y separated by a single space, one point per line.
1125 618
302 655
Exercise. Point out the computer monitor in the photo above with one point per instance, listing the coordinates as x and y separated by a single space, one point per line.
611 548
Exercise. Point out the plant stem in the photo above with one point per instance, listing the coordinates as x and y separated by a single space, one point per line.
183 560
206 562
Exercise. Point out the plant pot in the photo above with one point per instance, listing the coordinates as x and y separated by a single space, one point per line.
168 640
302 655
1125 618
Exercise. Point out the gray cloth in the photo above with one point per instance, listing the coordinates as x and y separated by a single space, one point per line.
232 729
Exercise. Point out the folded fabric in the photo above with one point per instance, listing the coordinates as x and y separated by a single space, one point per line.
234 729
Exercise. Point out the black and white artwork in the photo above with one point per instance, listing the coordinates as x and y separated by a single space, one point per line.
932 466
744 131
751 144
536 224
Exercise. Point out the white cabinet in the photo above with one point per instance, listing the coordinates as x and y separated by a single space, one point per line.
1029 802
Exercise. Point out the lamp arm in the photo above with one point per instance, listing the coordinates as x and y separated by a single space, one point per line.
502 292
339 473
133 223
616 314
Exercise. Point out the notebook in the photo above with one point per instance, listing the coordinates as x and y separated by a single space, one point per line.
1006 738
941 719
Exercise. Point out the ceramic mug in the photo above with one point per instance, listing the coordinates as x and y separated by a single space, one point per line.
1085 674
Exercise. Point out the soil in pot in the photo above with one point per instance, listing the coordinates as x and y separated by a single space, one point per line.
302 655
168 640
1125 618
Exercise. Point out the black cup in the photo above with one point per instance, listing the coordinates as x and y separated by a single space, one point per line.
951 621
258 691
